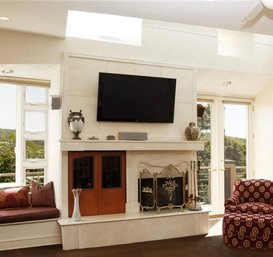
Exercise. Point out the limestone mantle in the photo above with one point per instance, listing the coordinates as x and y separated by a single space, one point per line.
127 145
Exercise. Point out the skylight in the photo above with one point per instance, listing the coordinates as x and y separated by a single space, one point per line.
235 43
104 27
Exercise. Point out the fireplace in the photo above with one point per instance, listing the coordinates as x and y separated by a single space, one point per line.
165 189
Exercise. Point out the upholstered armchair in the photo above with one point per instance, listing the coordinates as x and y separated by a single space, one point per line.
253 196
248 218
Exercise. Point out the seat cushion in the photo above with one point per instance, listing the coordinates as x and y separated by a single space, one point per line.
251 208
27 214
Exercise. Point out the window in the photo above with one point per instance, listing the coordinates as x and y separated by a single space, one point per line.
23 134
104 27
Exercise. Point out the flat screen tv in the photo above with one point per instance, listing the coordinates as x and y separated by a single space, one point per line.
132 98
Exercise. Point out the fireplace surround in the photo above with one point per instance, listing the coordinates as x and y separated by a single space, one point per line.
134 226
140 155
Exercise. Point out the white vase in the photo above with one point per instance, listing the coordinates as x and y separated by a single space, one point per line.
76 216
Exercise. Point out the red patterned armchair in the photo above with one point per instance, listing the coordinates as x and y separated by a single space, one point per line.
248 218
251 197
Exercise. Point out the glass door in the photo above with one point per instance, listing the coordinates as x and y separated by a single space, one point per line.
236 140
225 128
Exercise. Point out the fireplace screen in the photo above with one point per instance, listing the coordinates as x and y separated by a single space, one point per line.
146 190
163 190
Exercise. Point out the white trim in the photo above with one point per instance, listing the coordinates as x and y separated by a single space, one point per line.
212 98
21 81
22 135
129 61
250 142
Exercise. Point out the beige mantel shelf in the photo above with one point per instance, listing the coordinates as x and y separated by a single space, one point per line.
124 145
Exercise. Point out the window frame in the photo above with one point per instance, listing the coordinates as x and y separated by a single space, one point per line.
22 163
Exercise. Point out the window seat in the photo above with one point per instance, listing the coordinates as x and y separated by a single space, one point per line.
28 217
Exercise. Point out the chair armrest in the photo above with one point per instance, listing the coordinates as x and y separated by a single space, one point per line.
233 200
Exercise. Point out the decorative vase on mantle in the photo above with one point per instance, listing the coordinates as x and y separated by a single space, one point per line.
76 216
192 132
75 121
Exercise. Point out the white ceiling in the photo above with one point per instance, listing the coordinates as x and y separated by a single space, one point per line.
49 18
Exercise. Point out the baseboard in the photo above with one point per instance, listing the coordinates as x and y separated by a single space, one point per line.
216 216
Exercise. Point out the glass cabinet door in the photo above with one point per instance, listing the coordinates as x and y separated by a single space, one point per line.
111 172
112 185
83 172
101 176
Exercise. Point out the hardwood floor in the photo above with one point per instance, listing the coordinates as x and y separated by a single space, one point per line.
198 246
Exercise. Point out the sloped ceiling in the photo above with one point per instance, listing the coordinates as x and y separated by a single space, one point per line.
49 18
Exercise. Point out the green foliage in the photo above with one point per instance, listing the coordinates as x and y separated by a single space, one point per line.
7 154
34 150
204 122
205 156
235 150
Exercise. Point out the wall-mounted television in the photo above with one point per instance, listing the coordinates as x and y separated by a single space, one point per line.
133 98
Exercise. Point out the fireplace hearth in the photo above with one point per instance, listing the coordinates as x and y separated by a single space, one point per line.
162 190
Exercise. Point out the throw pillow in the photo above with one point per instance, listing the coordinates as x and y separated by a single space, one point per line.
42 196
14 197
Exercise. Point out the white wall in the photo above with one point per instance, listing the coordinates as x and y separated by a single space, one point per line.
263 130
161 42
54 127
80 90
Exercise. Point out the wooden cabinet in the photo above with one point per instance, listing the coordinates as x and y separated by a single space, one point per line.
101 176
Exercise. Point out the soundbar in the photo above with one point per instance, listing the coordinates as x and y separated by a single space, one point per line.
138 136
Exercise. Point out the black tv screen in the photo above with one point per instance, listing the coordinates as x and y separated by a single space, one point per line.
132 98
